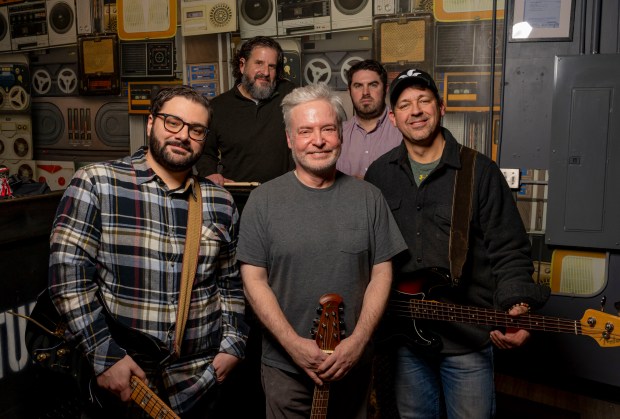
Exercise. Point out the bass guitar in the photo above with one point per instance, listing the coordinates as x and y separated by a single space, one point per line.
49 348
327 332
412 300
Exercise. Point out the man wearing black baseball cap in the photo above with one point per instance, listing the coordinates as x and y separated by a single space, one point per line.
480 249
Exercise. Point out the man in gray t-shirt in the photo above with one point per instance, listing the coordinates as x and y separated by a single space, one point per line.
307 233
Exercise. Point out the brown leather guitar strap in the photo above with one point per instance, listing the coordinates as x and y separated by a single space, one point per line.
190 260
461 212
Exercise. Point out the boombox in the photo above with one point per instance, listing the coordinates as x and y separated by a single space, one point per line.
40 24
14 83
15 137
83 128
328 60
257 18
148 59
200 17
54 73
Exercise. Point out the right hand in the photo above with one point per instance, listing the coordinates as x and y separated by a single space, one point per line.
219 179
307 355
116 379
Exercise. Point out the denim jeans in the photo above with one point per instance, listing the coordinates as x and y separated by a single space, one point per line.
464 383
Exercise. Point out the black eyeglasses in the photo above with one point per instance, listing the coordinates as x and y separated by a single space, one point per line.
175 124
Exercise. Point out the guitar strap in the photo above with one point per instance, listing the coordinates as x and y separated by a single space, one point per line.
461 212
190 259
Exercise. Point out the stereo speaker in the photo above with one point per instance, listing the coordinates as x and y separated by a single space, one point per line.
404 41
200 17
98 65
147 59
61 22
463 45
257 18
348 14
5 33
141 20
87 128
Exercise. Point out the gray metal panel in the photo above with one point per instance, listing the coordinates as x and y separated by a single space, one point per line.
584 184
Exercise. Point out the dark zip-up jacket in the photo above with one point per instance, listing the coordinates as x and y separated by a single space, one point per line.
498 270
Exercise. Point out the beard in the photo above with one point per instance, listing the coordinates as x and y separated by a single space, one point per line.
370 110
169 159
317 168
258 92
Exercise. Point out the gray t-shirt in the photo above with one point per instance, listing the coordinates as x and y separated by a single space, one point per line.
313 242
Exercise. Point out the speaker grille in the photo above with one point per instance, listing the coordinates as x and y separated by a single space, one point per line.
403 42
256 12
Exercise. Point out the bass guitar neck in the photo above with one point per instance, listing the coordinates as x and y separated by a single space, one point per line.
144 397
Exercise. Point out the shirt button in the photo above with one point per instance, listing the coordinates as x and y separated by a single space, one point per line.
418 233
419 260
419 207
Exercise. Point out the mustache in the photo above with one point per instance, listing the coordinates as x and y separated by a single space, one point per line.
260 76
180 144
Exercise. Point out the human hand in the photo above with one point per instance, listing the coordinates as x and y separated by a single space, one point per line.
308 356
219 179
340 362
116 379
223 364
513 338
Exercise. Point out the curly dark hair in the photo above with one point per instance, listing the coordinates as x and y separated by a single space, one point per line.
371 65
246 50
164 94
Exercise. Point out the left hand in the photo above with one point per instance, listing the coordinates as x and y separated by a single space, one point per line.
340 362
513 338
223 364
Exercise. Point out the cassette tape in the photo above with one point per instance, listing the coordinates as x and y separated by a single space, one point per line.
57 174
330 67
14 83
23 168
15 137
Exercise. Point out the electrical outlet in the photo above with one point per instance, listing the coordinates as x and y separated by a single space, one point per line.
512 177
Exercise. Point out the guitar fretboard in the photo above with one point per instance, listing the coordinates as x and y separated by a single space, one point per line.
144 397
433 310
320 402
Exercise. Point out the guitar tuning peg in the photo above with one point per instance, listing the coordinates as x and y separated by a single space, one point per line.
342 334
315 321
313 333
341 324
341 309
319 309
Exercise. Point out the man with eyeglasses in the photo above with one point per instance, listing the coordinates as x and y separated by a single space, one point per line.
247 141
120 232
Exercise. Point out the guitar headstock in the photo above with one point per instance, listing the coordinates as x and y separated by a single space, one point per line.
602 327
329 328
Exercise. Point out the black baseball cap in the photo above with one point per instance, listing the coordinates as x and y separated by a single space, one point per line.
411 77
